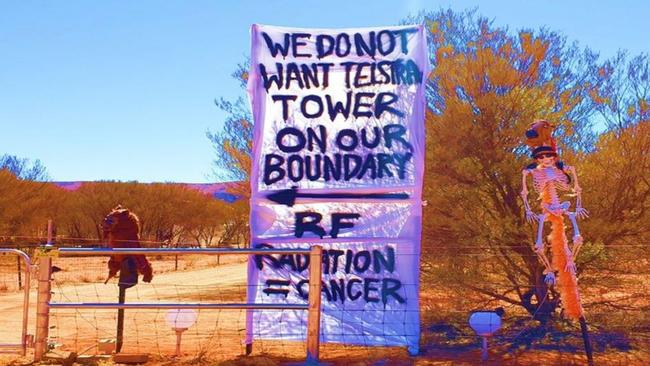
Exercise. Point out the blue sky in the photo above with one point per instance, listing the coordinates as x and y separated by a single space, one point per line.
124 90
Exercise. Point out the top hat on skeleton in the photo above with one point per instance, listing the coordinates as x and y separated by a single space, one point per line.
543 150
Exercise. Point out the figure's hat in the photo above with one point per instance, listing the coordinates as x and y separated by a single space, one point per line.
539 150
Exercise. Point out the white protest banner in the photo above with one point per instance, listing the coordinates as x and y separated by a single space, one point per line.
338 160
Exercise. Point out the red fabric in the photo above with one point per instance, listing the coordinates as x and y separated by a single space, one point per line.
567 283
122 228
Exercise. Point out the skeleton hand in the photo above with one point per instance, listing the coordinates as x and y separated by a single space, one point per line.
577 244
530 216
570 266
581 213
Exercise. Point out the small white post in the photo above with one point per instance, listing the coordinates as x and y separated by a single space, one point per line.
484 351
485 323
179 334
180 320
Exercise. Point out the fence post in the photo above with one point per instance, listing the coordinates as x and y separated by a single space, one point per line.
43 298
20 278
313 315
26 289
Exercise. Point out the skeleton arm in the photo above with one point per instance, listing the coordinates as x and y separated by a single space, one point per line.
530 216
580 212
539 219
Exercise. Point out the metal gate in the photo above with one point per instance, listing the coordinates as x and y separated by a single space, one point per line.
44 291
25 283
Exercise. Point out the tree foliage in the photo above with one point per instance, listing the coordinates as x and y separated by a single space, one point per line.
25 200
487 86
25 205
23 168
233 143
170 214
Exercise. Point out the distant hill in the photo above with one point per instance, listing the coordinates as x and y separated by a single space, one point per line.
214 190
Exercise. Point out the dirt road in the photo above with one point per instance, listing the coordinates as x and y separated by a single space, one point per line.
73 329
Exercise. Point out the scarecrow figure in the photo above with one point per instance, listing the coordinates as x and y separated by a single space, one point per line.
122 230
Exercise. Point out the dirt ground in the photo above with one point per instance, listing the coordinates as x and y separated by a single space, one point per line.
218 336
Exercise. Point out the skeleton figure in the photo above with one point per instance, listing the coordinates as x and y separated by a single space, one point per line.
550 178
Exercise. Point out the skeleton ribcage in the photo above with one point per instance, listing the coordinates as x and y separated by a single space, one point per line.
553 176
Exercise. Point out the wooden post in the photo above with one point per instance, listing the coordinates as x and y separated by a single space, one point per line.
120 320
176 259
313 316
43 298
128 278
20 278
50 232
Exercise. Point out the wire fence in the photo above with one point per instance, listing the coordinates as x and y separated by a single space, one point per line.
198 279
616 305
